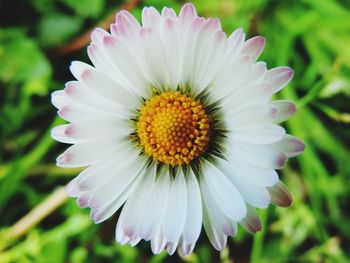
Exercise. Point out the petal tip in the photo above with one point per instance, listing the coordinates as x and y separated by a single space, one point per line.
280 195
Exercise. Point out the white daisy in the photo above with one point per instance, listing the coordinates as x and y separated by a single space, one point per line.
175 121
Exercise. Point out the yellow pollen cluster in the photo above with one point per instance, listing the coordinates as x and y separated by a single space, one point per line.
173 128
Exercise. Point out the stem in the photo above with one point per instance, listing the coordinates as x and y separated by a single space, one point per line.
43 170
34 217
259 237
45 208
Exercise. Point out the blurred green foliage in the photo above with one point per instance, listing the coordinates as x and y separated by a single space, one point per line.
311 36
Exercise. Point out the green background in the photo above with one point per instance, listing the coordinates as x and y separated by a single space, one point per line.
39 39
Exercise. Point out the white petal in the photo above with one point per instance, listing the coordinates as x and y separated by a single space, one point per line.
217 225
258 71
99 83
242 99
260 176
265 135
209 35
150 17
158 242
103 60
126 229
252 193
100 172
58 133
285 110
193 223
263 156
291 146
58 99
280 195
155 57
126 62
251 222
224 192
190 37
80 93
96 129
89 152
153 207
250 118
279 77
235 43
103 63
210 61
134 241
169 33
226 83
253 47
127 24
97 35
121 191
104 186
216 237
187 13
75 110
175 215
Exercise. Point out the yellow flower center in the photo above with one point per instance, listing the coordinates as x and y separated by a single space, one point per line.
173 128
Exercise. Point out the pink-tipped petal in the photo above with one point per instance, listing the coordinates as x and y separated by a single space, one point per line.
213 24
64 113
169 23
72 188
134 241
171 247
158 243
168 13
59 99
284 110
127 20
187 14
291 146
64 159
97 35
280 195
279 77
219 36
83 201
185 249
253 47
121 237
78 68
150 17
197 24
235 41
59 133
126 25
251 222
109 41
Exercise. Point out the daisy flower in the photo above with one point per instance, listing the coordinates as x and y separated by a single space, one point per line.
175 123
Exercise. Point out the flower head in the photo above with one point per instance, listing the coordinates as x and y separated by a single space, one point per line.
176 123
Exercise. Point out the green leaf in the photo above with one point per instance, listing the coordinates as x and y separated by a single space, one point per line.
55 29
86 8
22 62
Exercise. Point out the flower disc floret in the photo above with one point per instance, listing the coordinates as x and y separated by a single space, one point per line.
173 128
